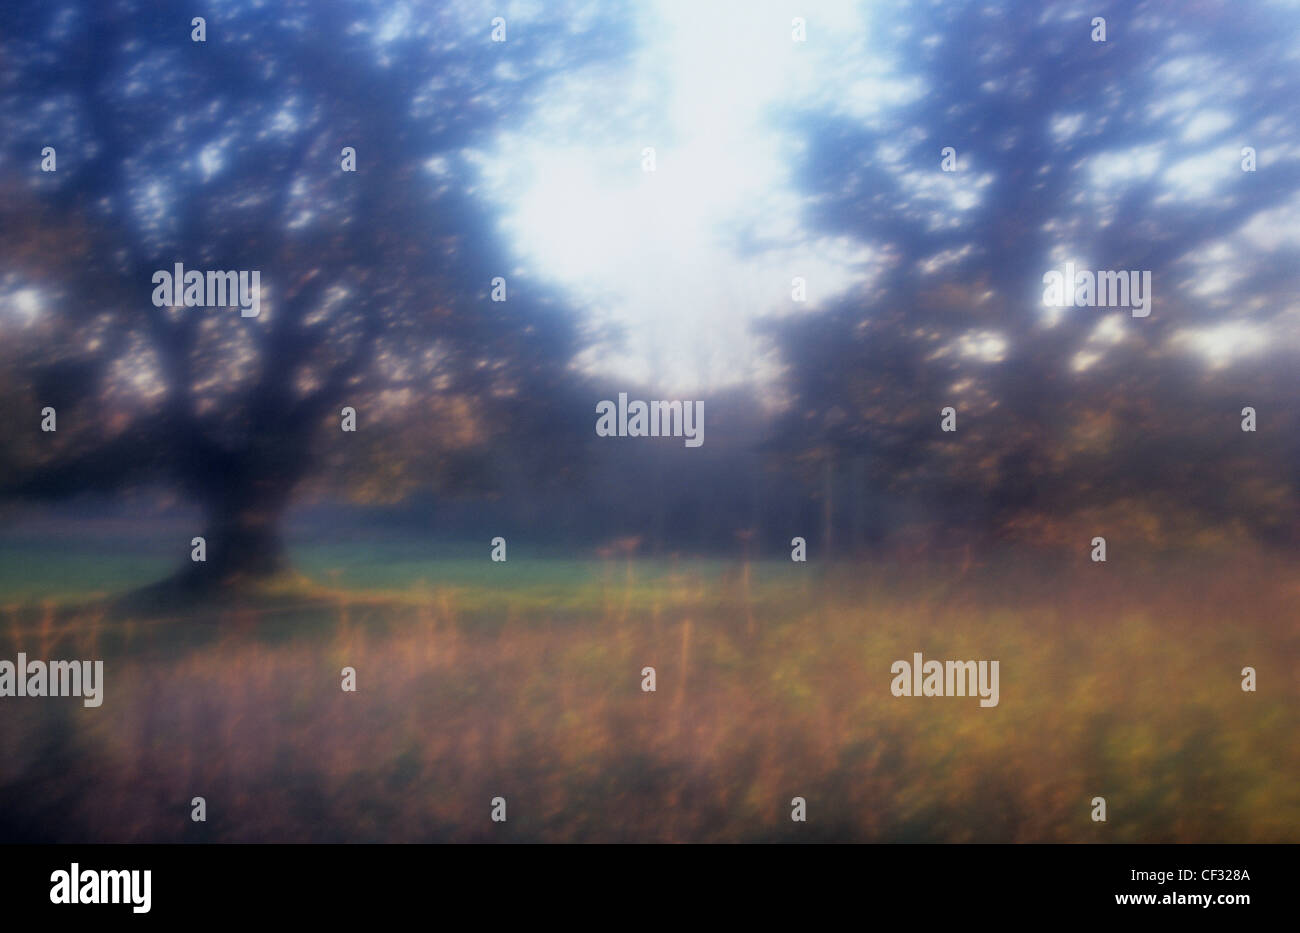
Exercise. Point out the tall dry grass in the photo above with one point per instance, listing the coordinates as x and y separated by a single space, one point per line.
1115 682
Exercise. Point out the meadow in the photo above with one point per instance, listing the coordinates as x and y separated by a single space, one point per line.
523 680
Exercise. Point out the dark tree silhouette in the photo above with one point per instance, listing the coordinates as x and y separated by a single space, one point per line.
1121 155
226 155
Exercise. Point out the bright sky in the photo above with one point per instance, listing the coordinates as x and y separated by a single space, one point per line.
681 261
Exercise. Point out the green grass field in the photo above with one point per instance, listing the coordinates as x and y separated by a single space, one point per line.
523 680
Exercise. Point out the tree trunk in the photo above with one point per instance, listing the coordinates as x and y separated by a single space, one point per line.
244 544
242 533
245 498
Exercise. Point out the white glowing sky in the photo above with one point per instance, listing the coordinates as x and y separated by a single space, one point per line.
655 254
